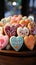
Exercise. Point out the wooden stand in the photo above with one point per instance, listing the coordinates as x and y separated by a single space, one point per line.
19 54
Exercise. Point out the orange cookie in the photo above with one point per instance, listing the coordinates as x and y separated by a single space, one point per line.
24 22
27 21
13 19
1 24
18 18
31 27
29 41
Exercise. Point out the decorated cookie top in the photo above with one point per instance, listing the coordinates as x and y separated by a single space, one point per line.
29 41
31 18
6 20
10 30
3 41
23 31
16 42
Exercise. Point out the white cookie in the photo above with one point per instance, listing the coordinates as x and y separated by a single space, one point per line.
22 31
31 18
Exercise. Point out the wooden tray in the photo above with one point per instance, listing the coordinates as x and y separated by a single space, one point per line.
20 53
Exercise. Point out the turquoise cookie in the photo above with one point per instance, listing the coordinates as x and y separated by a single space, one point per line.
16 42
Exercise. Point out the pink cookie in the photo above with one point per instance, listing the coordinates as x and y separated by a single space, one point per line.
3 41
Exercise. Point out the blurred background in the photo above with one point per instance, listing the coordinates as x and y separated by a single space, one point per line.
12 7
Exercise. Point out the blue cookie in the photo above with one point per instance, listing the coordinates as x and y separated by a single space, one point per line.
16 42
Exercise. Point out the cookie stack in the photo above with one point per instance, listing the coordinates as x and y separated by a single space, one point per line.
16 31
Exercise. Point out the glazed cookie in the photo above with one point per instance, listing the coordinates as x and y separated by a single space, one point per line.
27 21
18 25
16 42
32 27
31 18
13 17
3 20
18 18
6 20
10 30
29 41
1 24
24 22
24 18
3 41
22 31
13 20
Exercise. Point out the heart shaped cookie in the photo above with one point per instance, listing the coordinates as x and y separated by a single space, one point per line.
18 18
3 41
32 27
1 24
24 22
31 18
6 20
13 19
18 25
29 41
10 30
16 42
22 31
24 18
